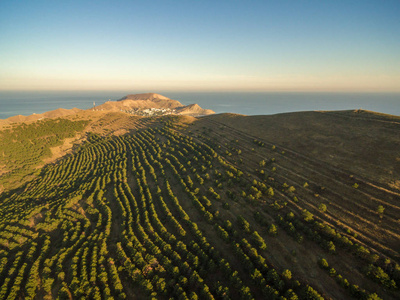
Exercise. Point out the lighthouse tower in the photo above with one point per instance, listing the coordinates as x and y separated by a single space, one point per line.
94 105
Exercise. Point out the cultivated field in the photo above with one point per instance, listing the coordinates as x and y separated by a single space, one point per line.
220 207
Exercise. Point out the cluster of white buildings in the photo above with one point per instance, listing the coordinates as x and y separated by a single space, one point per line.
150 112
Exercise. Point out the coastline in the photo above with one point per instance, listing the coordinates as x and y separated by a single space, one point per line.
249 103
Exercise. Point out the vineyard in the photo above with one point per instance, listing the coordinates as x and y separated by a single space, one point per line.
177 211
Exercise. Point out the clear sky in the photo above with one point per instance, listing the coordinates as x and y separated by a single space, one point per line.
200 45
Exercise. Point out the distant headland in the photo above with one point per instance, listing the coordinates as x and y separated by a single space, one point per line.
151 104
147 105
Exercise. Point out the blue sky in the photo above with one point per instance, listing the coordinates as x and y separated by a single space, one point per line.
200 45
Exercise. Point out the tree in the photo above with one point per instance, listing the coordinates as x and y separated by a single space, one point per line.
373 296
312 294
323 263
290 295
307 215
380 210
272 230
286 274
258 240
331 247
322 207
377 274
270 192
243 224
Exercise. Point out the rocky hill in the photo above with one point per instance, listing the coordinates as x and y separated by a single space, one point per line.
156 103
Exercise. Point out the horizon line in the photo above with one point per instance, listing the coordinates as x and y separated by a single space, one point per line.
140 91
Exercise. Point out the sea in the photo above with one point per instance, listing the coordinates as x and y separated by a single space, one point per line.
247 103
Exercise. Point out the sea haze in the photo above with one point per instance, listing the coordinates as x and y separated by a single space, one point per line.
263 103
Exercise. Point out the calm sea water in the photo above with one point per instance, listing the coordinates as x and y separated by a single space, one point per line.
26 103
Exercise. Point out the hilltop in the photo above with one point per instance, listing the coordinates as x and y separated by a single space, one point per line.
105 203
149 96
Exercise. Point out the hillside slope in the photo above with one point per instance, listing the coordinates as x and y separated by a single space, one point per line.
194 110
361 142
60 112
208 208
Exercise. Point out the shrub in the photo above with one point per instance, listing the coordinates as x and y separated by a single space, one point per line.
286 274
272 230
322 207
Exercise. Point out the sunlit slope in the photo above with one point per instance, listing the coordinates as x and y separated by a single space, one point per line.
136 103
184 208
23 146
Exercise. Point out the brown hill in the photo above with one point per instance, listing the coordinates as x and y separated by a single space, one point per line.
129 104
343 167
361 142
57 113
61 112
152 100
194 110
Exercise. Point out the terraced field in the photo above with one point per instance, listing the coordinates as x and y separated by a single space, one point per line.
196 209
